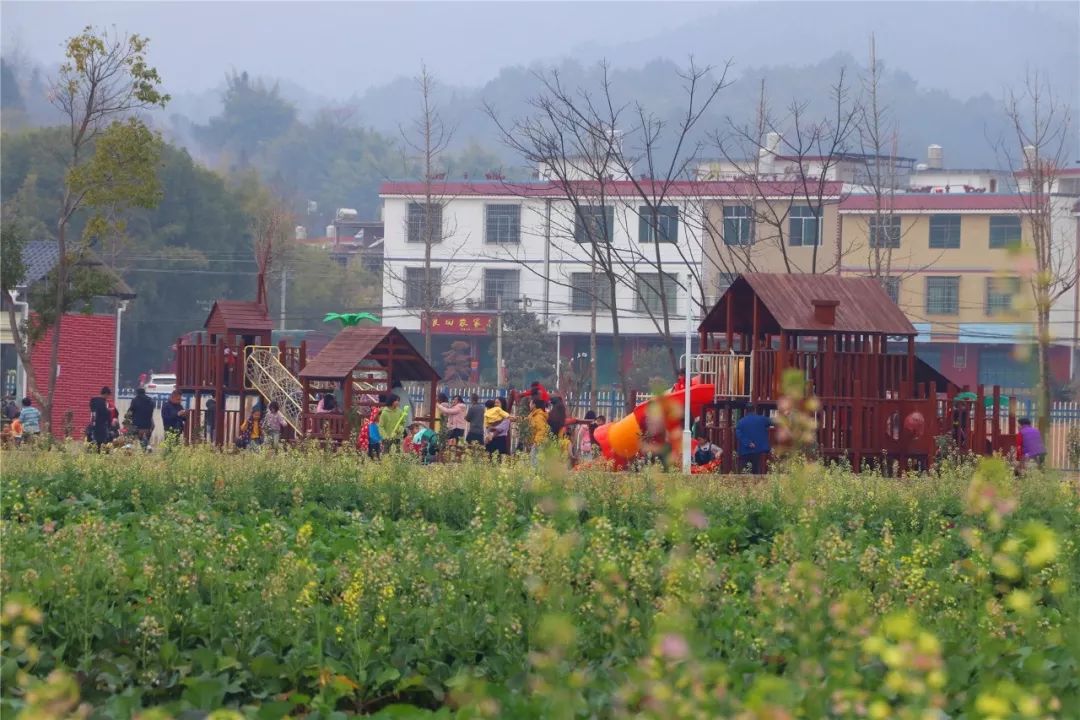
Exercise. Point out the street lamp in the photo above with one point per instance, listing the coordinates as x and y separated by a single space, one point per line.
558 351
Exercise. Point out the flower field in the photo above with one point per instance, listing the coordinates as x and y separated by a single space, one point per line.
318 585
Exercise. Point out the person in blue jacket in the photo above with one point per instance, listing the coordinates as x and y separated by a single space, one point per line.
752 436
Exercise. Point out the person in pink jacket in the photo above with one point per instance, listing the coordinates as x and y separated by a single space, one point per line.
453 414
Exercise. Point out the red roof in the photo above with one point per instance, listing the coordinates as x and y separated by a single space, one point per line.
340 356
615 188
238 315
863 305
916 202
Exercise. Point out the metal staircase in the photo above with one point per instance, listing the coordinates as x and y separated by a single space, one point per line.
265 373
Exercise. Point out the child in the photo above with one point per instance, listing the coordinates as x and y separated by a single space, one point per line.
493 415
17 431
706 453
273 424
250 431
30 417
425 441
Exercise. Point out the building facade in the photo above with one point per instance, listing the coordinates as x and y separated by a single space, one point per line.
957 265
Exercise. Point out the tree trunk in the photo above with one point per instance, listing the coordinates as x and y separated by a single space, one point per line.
1044 396
61 287
23 352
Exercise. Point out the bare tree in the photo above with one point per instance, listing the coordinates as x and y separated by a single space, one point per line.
785 162
426 143
109 158
879 140
601 156
1041 126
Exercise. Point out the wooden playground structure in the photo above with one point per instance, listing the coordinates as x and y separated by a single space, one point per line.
235 364
880 404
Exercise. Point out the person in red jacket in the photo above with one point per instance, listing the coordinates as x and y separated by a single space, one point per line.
538 390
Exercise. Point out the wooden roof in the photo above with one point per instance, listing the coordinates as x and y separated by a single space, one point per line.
354 344
863 305
238 316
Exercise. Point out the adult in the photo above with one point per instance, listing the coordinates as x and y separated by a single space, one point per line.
101 418
1029 443
556 417
392 422
453 415
142 416
209 418
538 390
30 417
11 410
398 389
498 420
752 435
474 417
174 416
327 403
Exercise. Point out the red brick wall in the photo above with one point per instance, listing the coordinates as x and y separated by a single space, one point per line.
87 347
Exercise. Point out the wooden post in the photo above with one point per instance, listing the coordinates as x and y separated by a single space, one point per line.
978 435
995 423
219 392
730 321
856 425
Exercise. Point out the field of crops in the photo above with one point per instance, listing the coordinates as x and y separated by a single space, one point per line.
316 585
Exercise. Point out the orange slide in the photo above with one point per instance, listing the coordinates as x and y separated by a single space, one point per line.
620 441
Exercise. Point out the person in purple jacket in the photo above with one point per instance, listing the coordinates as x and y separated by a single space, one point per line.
1029 443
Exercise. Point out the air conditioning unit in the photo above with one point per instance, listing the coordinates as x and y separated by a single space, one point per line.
471 303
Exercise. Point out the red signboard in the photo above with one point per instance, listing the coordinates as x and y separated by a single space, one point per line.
459 323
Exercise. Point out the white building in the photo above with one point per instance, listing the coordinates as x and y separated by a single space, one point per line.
515 243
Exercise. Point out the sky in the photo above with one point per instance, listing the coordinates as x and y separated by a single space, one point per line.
336 48
339 49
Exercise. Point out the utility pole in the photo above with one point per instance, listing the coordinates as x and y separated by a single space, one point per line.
121 306
686 436
498 342
284 282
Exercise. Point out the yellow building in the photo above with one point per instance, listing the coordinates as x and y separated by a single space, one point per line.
959 265
774 226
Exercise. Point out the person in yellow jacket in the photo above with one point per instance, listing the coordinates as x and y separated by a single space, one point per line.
538 424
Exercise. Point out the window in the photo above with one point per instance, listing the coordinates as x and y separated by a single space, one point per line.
503 284
415 286
502 224
648 293
805 226
738 225
1000 292
885 231
999 366
942 295
594 224
583 291
1004 231
892 287
944 232
419 217
667 224
724 281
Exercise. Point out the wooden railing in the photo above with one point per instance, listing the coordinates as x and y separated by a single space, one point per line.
831 376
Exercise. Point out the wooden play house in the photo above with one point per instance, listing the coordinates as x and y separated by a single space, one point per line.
235 364
359 366
856 349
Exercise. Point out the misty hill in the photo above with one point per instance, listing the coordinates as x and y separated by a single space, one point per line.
966 128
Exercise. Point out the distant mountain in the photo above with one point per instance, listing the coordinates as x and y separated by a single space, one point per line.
964 48
967 128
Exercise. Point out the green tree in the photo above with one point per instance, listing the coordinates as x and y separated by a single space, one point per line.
320 284
528 349
109 160
650 367
253 114
456 364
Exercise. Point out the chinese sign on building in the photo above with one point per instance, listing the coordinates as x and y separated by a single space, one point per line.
459 323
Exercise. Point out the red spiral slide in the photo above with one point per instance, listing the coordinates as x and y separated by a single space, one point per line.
620 441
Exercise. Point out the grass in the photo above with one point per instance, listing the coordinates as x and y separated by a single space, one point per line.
321 585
